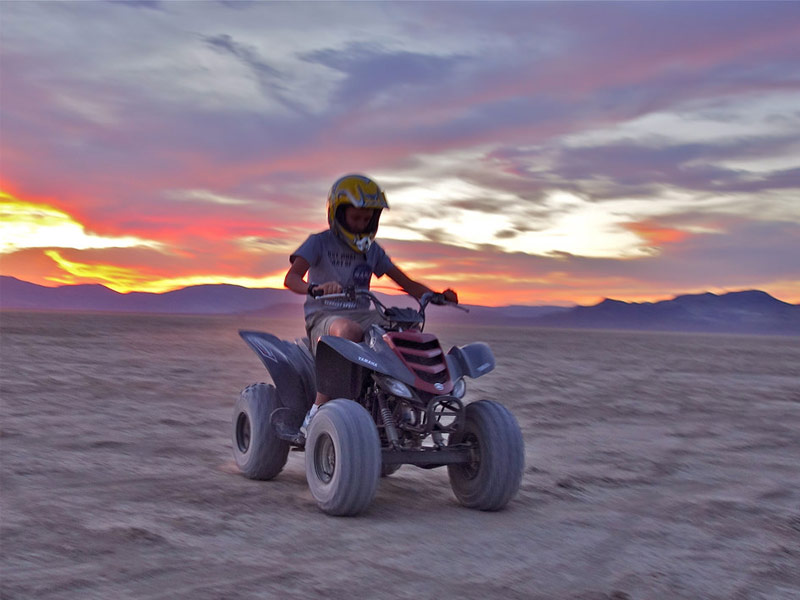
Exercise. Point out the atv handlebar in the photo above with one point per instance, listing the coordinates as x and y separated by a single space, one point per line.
350 293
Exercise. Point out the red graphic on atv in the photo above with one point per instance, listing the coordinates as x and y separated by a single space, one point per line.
423 356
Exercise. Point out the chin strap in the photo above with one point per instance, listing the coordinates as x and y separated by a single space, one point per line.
363 243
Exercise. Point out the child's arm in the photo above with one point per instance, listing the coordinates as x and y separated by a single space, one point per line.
294 279
415 288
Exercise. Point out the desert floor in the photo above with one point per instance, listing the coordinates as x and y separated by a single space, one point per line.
657 466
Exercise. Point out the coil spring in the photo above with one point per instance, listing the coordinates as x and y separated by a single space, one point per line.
388 422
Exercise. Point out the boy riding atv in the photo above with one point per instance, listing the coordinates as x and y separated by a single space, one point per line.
346 255
389 394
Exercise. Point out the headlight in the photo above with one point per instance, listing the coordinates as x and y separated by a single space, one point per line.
459 388
394 387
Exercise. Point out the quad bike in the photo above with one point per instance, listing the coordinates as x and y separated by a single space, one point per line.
398 400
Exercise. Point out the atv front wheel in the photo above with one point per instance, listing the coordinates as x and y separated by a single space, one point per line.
494 474
343 458
258 451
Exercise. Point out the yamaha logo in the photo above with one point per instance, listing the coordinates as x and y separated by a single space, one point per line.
439 387
371 363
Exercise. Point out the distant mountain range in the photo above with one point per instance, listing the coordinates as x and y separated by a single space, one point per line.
219 299
199 299
749 311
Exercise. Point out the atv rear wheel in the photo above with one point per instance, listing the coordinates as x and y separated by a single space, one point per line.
493 477
343 458
258 451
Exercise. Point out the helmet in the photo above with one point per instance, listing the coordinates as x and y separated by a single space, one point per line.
361 192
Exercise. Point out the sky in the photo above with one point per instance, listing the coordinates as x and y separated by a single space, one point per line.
531 153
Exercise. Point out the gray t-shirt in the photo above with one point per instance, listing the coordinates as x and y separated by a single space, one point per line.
333 260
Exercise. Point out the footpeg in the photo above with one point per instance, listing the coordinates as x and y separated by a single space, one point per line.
281 419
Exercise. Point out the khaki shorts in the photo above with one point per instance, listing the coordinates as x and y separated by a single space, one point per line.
319 323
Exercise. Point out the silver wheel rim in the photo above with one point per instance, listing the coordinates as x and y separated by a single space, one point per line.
325 458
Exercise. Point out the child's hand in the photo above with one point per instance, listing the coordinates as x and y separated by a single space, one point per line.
330 287
450 296
445 297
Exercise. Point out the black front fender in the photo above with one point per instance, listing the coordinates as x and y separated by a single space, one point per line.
342 365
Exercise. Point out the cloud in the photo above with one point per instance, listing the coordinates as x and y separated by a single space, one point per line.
205 196
27 225
576 144
371 72
123 280
145 4
270 79
727 253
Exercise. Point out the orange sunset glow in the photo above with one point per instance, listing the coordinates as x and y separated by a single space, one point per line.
48 236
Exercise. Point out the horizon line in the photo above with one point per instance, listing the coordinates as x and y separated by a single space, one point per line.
383 289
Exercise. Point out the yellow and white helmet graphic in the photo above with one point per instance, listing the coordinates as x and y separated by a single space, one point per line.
361 192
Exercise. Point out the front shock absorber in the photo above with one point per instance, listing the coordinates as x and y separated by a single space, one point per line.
388 422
